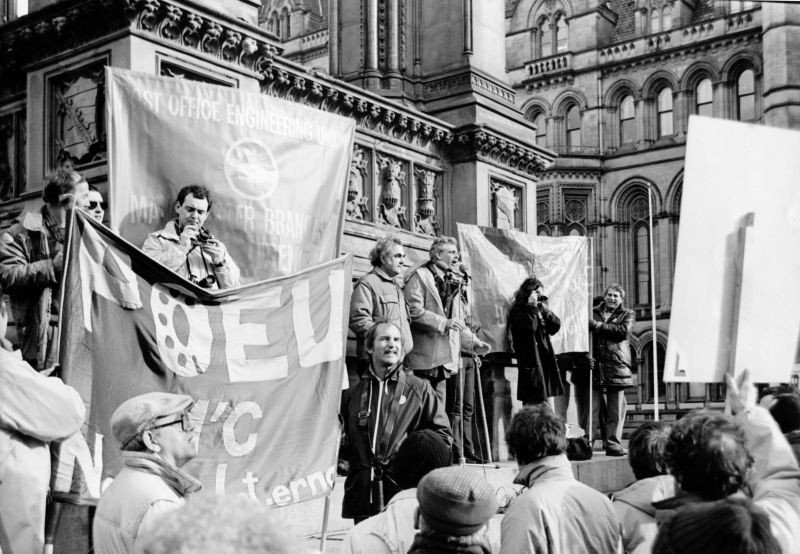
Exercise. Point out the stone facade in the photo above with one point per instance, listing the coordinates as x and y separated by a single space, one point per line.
459 105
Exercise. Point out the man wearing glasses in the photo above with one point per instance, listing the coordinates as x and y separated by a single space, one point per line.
155 435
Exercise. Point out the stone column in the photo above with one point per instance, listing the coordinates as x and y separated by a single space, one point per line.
781 55
371 55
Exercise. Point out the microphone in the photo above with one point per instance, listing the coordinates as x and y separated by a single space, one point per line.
464 270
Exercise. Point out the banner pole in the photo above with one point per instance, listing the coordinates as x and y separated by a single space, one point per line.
324 534
590 430
479 381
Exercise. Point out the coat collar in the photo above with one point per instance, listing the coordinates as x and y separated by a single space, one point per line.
169 232
548 467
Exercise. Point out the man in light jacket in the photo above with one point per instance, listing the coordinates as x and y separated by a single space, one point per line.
557 513
35 410
634 504
439 333
155 434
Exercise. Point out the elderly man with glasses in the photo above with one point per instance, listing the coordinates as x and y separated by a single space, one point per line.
155 434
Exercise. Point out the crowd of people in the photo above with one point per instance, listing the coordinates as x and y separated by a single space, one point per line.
710 482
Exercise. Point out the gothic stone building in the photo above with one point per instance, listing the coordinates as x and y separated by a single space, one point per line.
458 105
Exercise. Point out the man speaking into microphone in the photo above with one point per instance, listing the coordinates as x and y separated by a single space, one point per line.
188 249
436 305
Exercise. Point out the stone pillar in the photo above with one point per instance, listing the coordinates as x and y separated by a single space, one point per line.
781 55
371 54
393 40
333 37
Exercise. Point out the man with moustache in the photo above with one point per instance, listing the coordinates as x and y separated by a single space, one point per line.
379 295
378 414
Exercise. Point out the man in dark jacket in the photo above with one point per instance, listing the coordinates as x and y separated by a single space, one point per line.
31 259
611 326
379 413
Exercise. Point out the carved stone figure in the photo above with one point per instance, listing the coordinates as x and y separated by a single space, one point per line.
392 181
356 207
424 221
505 207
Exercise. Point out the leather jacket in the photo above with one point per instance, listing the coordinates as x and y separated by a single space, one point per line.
612 351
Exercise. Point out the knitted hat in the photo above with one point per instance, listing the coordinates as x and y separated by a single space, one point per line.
422 451
456 500
138 413
730 525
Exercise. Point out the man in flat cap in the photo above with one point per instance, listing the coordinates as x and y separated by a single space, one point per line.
455 506
155 434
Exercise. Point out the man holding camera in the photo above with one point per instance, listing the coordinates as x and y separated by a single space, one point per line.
188 249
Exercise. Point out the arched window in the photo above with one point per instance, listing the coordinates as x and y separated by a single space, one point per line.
541 128
627 120
285 24
666 18
655 21
542 218
562 32
704 98
575 214
273 24
737 6
640 235
746 96
574 127
545 38
664 107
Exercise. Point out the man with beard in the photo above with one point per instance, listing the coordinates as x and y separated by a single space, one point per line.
379 413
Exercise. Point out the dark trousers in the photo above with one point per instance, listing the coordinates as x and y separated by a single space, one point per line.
608 410
436 377
465 375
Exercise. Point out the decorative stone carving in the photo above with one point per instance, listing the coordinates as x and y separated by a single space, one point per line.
356 207
392 182
505 204
78 128
489 147
424 220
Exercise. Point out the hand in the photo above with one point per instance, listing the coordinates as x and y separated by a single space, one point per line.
481 348
454 325
58 261
5 344
213 249
741 394
189 234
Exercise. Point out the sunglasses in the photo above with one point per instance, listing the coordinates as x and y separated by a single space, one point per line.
186 424
93 204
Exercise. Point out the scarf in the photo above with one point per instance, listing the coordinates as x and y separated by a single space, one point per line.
433 542
177 479
55 230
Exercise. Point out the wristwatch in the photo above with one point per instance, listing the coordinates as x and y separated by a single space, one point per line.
220 264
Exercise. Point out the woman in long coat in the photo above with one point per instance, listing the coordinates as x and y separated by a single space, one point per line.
531 324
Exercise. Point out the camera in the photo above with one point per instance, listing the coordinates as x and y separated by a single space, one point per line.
543 299
206 282
203 236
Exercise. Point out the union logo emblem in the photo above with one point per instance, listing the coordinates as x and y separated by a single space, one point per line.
250 169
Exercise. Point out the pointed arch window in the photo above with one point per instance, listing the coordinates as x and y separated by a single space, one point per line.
664 107
574 127
545 38
541 129
746 96
704 98
640 235
285 24
627 120
561 33
666 18
655 21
